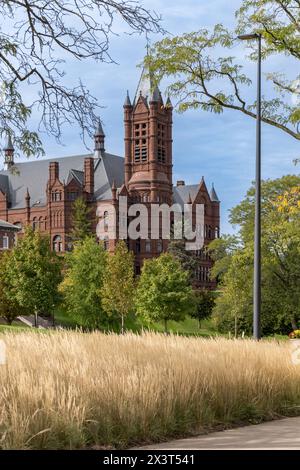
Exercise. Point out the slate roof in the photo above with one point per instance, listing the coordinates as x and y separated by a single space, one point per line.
34 176
181 193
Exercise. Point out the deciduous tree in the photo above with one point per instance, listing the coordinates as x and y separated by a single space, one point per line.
164 292
205 75
33 273
119 284
83 281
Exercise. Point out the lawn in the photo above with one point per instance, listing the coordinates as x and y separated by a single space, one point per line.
187 327
68 389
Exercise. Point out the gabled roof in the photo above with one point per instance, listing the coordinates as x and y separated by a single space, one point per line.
77 175
181 194
34 176
147 88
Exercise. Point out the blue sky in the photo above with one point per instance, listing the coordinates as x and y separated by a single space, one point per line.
219 147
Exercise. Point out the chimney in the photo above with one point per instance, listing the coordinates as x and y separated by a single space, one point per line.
89 175
180 183
53 172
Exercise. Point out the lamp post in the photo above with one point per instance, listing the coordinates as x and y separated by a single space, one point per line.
257 229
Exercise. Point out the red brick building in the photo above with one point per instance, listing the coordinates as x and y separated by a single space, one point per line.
7 235
41 192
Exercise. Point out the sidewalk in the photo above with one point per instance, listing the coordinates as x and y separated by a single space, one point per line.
279 434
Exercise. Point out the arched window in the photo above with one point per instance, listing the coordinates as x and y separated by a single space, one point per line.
57 243
41 223
159 246
34 223
105 219
217 232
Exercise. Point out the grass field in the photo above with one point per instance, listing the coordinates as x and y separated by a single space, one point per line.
74 390
189 326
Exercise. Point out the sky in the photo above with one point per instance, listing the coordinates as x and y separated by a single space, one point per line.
219 147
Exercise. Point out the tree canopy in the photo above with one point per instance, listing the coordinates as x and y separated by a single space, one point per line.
36 39
81 220
33 273
164 292
119 284
83 280
205 75
280 261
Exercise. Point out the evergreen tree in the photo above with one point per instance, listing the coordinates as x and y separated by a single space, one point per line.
205 301
119 285
187 258
83 281
163 291
81 220
33 273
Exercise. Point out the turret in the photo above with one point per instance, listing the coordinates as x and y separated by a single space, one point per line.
9 152
99 137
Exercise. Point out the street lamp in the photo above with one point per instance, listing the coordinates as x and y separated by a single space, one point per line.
257 229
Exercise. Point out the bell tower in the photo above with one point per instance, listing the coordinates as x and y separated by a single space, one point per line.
148 144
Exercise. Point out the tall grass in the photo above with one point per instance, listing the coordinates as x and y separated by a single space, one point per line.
72 390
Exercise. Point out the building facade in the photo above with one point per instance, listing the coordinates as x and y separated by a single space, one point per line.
41 193
8 234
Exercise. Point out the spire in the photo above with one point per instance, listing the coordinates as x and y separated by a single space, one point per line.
213 194
169 103
99 129
99 137
147 86
9 144
127 100
9 152
156 95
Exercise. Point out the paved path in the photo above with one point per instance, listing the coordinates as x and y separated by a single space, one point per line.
280 434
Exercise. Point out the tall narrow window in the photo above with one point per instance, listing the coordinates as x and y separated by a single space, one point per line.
140 143
106 243
148 246
57 243
5 243
159 246
105 219
161 143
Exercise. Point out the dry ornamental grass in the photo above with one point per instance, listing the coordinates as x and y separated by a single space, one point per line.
75 390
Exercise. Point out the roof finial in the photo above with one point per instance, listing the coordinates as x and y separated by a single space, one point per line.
127 100
9 151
